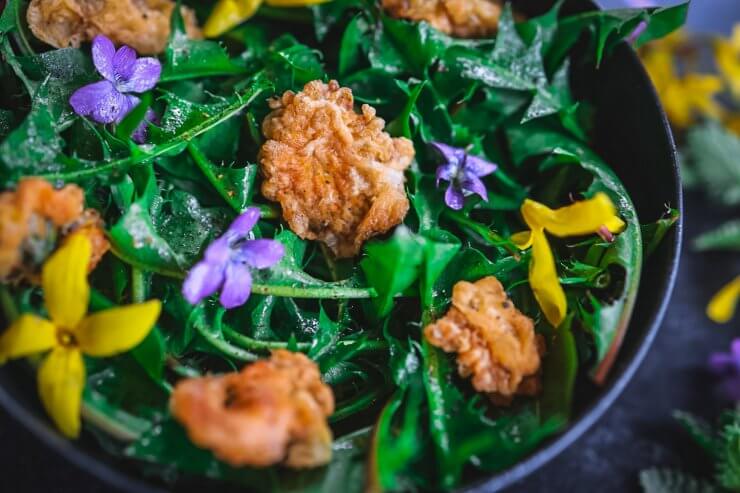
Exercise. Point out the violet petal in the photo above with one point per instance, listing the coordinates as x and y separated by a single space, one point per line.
103 52
735 350
203 280
99 100
479 166
446 172
245 222
129 103
139 135
721 363
123 64
261 254
219 252
237 285
454 198
144 75
472 183
452 155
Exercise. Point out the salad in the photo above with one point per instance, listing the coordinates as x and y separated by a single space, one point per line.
337 246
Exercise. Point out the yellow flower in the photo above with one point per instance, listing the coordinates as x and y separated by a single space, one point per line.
722 306
70 332
230 13
727 56
683 97
580 218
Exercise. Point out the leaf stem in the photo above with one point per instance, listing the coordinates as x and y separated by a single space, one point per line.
486 233
259 83
356 405
8 305
232 351
257 345
138 287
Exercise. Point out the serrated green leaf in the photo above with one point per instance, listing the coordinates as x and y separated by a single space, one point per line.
724 237
673 481
713 152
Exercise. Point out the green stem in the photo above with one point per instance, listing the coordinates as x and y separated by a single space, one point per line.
285 291
214 340
356 405
10 57
138 287
173 146
113 421
257 345
8 305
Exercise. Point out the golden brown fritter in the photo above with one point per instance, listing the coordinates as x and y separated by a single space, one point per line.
337 175
273 411
495 343
34 217
142 24
461 18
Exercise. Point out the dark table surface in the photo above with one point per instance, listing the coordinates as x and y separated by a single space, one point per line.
637 432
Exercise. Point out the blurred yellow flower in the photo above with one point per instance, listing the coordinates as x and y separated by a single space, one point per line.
727 57
683 97
721 307
580 218
71 332
230 13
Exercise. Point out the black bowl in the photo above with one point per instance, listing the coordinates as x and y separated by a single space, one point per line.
633 135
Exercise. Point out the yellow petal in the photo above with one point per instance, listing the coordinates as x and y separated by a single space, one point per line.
722 306
543 279
28 335
522 239
117 330
728 63
61 379
227 14
615 225
64 279
580 218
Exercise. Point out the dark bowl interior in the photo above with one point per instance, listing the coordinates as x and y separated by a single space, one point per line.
633 135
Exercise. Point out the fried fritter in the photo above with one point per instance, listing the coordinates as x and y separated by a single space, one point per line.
34 217
337 174
461 18
273 411
142 24
495 343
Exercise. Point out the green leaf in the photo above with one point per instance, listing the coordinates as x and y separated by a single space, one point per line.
673 481
33 147
559 369
662 22
132 121
724 237
9 16
187 58
439 247
151 354
653 234
728 457
700 431
713 152
392 266
352 43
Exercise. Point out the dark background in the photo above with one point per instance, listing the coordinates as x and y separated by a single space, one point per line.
636 433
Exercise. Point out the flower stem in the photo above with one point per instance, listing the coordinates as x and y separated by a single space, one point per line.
138 287
257 345
224 346
486 233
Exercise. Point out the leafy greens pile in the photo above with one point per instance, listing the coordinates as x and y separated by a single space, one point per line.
404 419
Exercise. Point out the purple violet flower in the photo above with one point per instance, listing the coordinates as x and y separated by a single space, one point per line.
228 263
110 100
463 172
727 366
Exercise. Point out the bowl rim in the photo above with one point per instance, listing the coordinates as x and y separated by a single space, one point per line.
594 412
115 477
